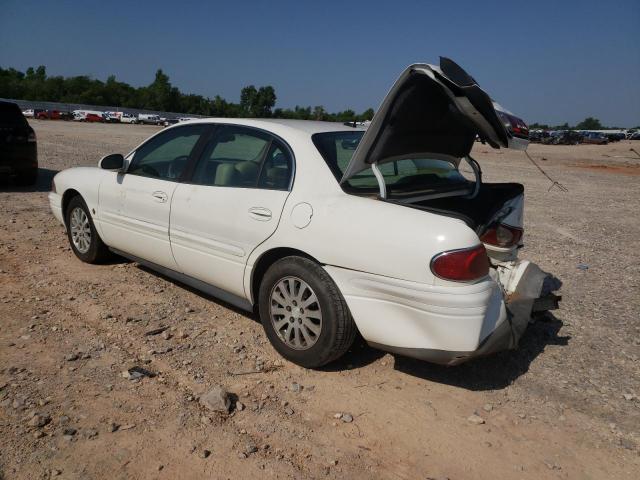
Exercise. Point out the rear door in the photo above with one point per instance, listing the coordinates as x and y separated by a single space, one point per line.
430 110
231 203
134 207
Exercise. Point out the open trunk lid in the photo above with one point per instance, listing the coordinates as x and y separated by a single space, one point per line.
436 110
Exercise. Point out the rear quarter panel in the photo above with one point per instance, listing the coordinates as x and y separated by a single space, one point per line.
359 233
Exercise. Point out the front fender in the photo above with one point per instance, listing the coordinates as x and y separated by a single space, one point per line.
84 180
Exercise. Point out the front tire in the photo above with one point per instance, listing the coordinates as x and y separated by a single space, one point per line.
83 236
304 314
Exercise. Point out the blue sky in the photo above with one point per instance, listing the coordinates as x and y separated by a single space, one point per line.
550 61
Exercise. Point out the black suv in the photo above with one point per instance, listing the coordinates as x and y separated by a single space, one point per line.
18 149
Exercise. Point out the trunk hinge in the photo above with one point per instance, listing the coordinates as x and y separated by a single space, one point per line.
380 179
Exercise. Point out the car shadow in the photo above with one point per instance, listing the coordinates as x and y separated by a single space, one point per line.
43 183
358 356
494 372
251 315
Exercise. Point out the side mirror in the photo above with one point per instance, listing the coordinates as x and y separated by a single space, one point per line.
115 161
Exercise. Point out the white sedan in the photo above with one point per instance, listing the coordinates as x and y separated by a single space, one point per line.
327 229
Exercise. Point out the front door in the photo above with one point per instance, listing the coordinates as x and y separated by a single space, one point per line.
134 207
230 205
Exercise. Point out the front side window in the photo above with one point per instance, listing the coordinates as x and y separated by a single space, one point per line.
245 158
422 172
166 155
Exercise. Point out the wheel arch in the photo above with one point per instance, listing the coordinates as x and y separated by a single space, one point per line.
66 198
267 259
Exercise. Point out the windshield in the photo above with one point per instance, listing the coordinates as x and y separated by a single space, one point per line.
420 173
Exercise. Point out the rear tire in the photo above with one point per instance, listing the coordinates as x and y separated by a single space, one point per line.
325 331
83 236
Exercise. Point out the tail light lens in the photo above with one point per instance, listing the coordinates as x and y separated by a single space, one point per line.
515 125
31 137
502 235
461 265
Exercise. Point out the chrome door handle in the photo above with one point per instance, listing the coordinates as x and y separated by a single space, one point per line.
160 196
260 213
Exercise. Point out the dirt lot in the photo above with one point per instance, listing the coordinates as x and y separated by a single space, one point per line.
565 405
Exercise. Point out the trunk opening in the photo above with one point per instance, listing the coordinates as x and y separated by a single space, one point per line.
477 212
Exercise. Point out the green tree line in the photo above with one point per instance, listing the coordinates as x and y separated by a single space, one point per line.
257 102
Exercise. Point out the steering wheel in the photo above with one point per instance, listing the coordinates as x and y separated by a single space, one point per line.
176 167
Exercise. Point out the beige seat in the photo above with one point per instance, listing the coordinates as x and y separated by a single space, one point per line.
248 173
226 175
237 175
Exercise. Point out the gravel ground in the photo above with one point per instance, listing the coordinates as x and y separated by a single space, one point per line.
564 405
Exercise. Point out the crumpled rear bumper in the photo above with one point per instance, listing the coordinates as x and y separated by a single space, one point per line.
501 331
505 337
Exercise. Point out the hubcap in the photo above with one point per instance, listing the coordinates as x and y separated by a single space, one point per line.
295 313
80 230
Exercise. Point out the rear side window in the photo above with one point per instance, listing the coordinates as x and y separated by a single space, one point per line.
11 115
245 158
276 169
423 172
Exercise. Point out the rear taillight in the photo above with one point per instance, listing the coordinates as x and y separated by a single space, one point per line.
31 137
502 235
461 265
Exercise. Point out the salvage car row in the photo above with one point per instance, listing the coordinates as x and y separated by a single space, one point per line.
575 137
97 116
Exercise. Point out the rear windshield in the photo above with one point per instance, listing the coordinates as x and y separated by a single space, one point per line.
11 115
421 173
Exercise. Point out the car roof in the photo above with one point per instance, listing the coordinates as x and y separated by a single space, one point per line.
308 127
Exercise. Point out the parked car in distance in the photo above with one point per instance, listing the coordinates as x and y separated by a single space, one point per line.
48 115
635 136
81 115
615 137
170 121
18 147
148 119
93 117
29 113
111 117
595 138
567 137
538 136
128 118
327 229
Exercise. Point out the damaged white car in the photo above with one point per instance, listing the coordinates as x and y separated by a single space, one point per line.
329 230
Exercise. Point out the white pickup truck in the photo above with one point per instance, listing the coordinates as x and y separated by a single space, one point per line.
149 119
